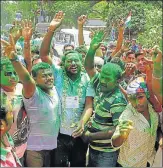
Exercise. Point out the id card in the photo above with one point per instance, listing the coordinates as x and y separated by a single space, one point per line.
72 102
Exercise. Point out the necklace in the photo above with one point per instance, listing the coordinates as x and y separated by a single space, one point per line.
66 83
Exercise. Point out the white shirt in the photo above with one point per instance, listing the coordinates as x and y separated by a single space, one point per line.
138 149
43 111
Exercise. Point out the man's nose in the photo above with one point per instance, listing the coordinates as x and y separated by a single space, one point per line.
141 62
13 76
73 62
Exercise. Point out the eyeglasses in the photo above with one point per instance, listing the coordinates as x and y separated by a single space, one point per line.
10 73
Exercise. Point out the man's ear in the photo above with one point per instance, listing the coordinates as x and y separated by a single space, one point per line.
2 125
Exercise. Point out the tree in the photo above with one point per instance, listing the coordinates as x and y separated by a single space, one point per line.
145 22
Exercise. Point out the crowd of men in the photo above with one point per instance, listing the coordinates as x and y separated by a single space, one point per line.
80 109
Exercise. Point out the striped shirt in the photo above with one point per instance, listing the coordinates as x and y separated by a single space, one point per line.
108 108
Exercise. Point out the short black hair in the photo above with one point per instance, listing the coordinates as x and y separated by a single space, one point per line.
129 52
138 54
68 45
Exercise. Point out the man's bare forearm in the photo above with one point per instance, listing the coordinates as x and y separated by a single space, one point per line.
102 135
80 35
45 46
27 55
119 41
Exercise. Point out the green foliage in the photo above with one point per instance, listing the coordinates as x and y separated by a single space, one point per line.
72 9
146 20
152 34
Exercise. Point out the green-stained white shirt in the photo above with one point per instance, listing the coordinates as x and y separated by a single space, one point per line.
68 88
138 149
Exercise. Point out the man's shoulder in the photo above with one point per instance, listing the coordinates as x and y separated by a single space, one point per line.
119 97
128 113
85 77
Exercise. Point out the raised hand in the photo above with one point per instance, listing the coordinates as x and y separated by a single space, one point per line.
57 20
130 69
126 46
82 19
97 39
157 55
125 127
16 30
26 30
121 23
9 47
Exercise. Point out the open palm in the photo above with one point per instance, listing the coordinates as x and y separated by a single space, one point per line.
97 39
27 30
9 47
57 20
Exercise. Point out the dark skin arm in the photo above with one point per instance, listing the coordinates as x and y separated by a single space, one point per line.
81 21
88 110
102 135
45 46
27 34
120 38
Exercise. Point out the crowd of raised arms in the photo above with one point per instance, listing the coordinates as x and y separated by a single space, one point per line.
81 109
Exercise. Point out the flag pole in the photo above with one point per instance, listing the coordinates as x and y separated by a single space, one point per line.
129 34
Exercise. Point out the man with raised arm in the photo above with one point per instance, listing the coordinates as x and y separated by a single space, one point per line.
109 103
42 105
71 84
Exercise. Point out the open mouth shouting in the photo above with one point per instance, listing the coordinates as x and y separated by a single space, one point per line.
73 69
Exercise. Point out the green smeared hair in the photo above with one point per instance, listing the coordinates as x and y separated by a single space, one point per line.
114 68
4 61
71 52
37 67
81 49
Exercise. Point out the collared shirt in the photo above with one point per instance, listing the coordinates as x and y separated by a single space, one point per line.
138 149
68 88
8 156
108 108
43 110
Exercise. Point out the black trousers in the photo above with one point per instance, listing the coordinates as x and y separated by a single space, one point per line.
69 151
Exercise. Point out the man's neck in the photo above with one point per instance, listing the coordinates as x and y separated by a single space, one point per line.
73 77
47 91
8 88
